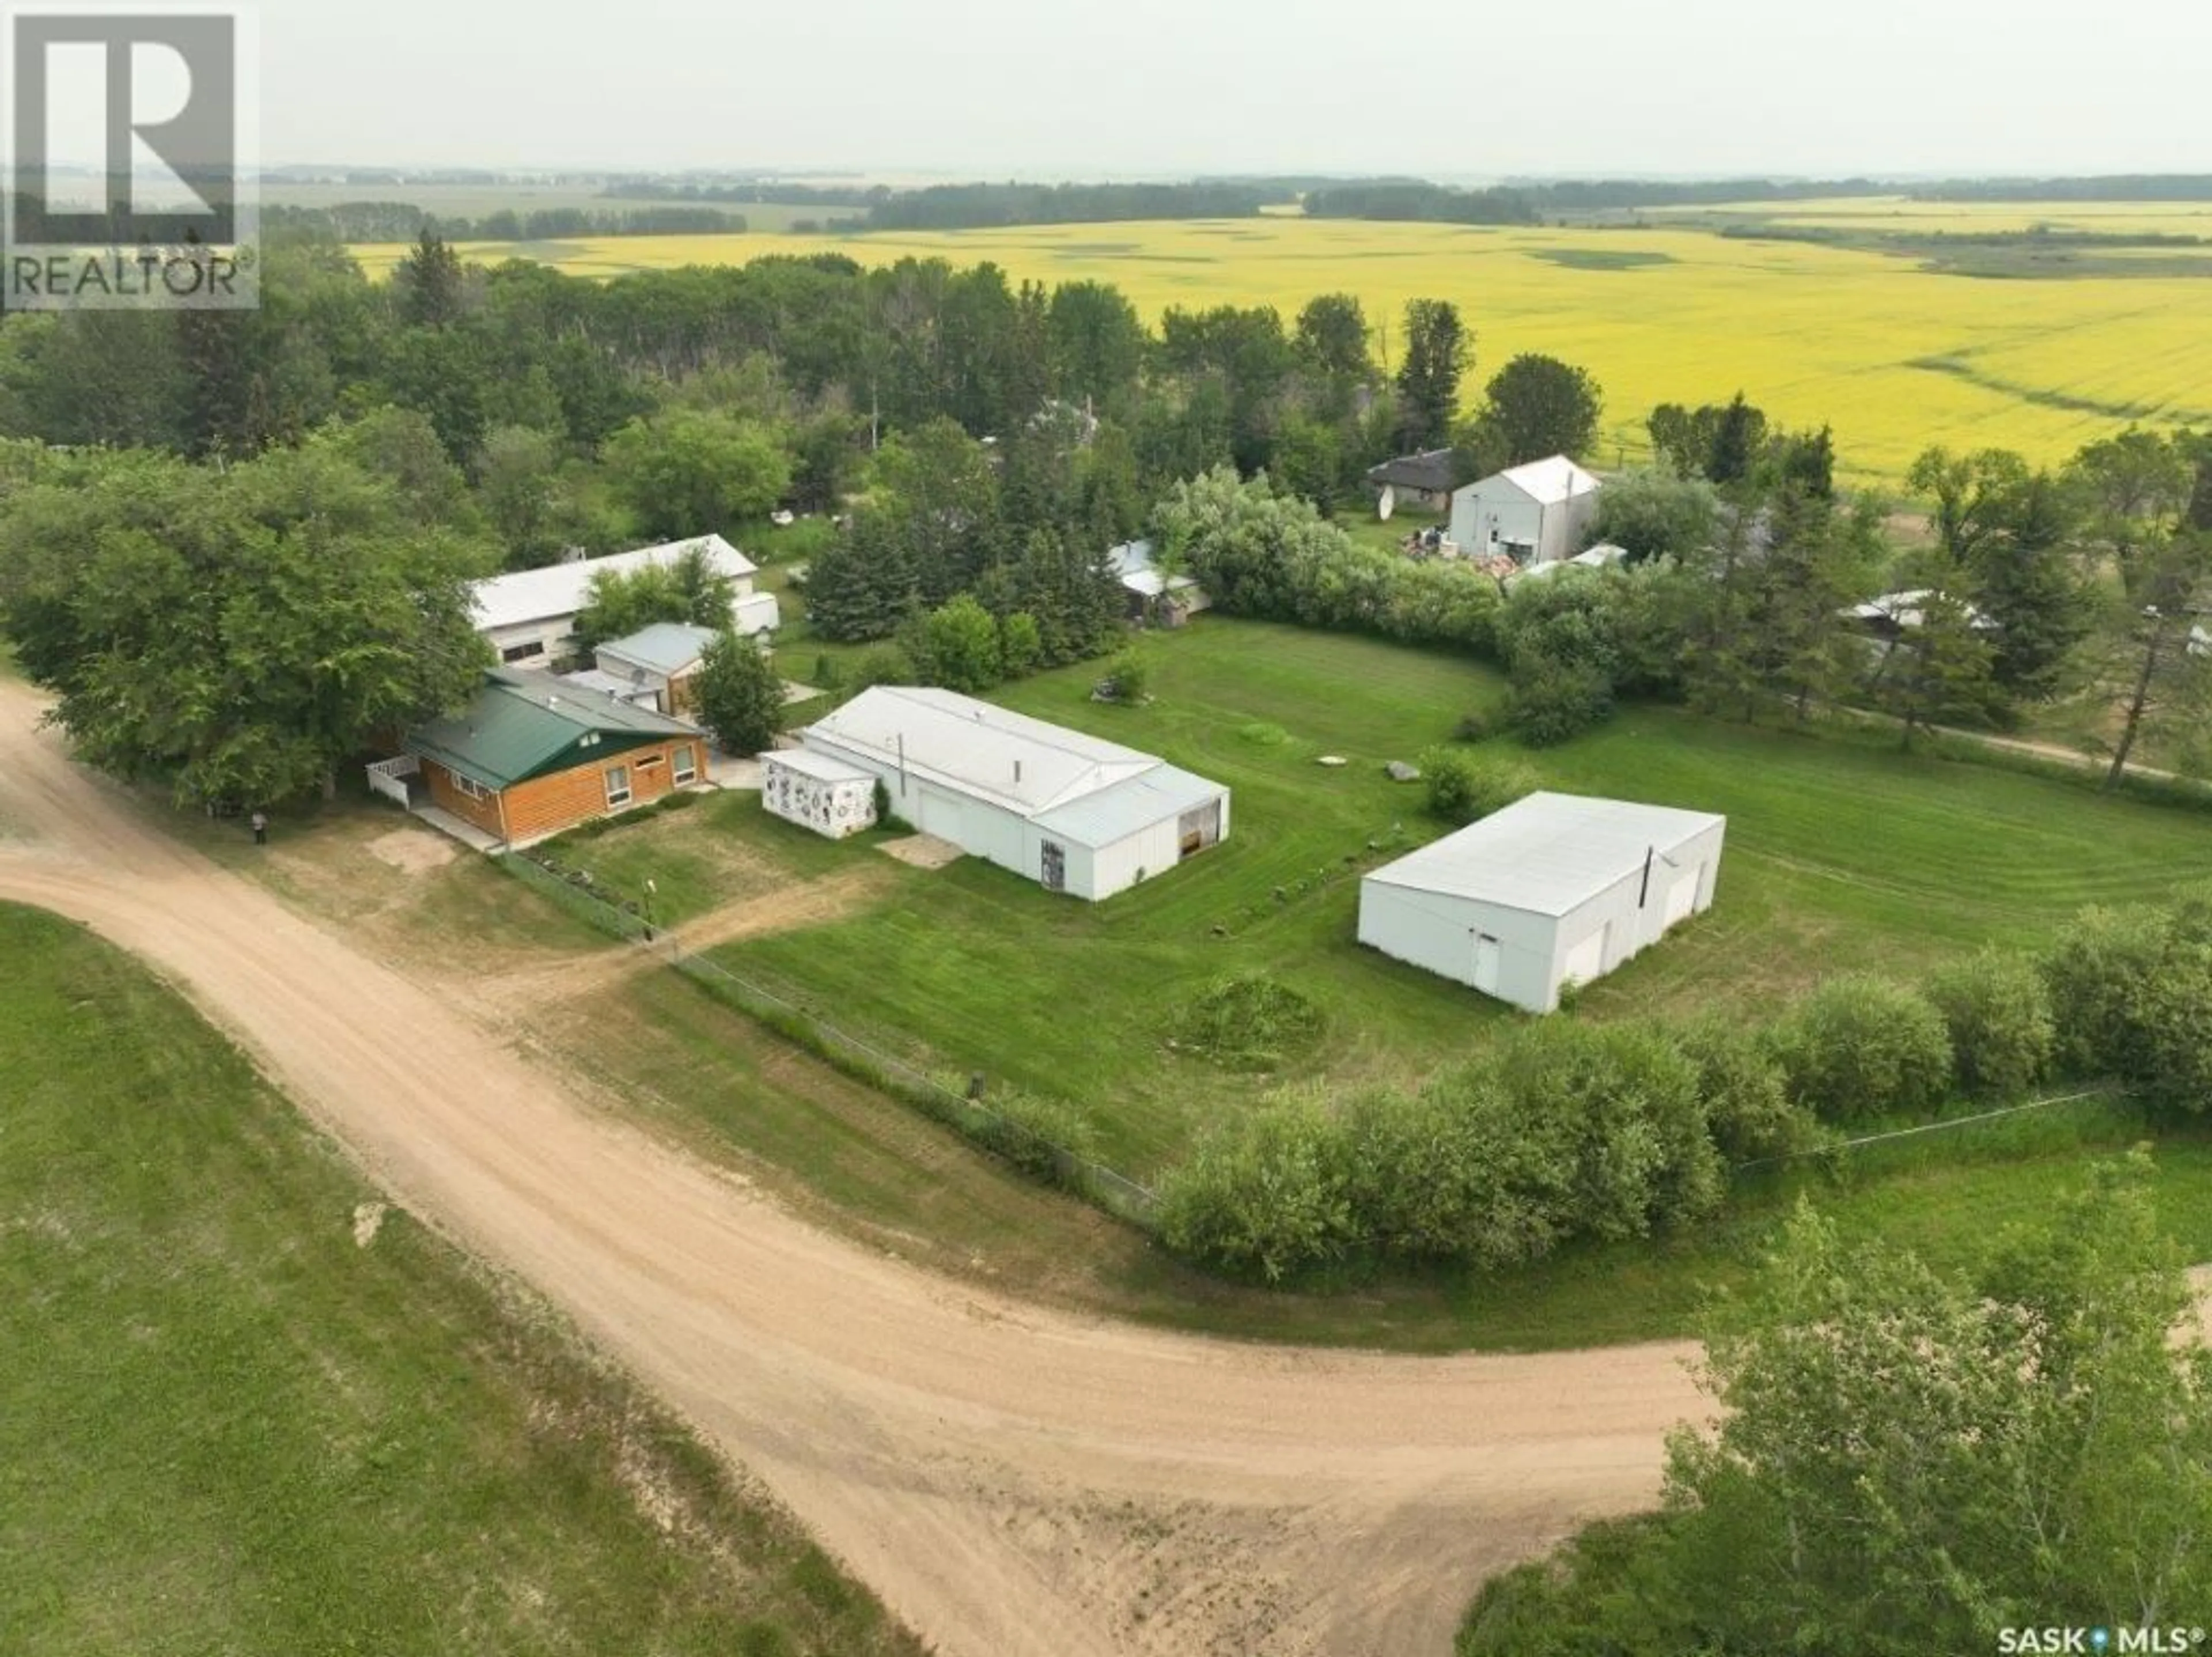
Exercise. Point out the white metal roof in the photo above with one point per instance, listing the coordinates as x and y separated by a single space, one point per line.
1548 854
1131 564
975 748
1115 813
1910 609
562 589
1547 482
820 766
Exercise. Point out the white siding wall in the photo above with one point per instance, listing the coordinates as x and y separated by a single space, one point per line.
1432 930
1437 931
1499 511
1154 850
552 638
1636 927
1556 531
1566 528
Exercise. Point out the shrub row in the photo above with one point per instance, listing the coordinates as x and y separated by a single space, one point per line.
1570 1131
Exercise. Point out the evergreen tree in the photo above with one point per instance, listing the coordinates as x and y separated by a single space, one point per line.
1438 353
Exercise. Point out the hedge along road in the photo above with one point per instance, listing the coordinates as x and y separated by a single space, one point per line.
1011 1480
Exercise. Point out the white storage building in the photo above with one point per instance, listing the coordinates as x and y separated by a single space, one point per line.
1554 889
530 615
1071 812
1534 514
817 792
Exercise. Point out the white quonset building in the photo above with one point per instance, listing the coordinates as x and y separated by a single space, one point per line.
1556 889
1535 514
817 792
1071 812
530 615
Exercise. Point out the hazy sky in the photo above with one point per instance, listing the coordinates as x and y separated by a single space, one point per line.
998 88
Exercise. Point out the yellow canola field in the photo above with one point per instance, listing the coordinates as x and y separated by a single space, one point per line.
1900 215
1895 358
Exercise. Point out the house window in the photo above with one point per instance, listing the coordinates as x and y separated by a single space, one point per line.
467 788
687 765
650 762
618 786
528 652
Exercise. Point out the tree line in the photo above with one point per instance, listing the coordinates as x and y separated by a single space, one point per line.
399 221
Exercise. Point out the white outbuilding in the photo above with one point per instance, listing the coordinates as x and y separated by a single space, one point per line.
1535 514
1071 812
1553 890
817 792
529 616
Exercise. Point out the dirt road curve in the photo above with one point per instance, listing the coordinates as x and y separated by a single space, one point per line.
1012 1481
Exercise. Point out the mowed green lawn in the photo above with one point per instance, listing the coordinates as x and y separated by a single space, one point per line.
227 1426
1842 855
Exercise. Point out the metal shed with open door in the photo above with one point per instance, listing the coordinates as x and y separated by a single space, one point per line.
1558 888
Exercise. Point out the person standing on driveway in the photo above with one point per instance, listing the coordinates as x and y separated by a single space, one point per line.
261 829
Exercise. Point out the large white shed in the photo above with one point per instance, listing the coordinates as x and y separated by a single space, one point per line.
1555 889
1070 810
1535 514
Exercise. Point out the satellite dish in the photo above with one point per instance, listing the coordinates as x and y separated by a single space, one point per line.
1386 503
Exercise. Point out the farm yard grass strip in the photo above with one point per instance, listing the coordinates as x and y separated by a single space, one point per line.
244 1408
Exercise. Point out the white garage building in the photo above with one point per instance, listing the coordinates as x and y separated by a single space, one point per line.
1071 812
1534 514
529 616
1553 890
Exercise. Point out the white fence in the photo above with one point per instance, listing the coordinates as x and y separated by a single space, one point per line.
389 777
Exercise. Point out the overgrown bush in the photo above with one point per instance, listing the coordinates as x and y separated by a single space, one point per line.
1747 1097
1859 1047
1644 1154
1130 675
1997 1010
1464 788
2131 995
884 665
1249 1024
1263 1195
1448 786
2097 971
1553 702
1260 553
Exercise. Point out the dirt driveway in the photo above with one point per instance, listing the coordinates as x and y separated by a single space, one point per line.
1011 1480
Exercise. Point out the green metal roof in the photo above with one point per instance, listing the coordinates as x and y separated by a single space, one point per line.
524 725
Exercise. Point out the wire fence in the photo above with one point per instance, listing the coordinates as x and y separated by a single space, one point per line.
1022 1136
1840 1146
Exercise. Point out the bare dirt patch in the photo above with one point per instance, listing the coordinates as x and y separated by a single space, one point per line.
367 1221
922 852
413 850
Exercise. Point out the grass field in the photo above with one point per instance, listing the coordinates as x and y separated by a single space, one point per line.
1896 358
232 1419
1841 856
